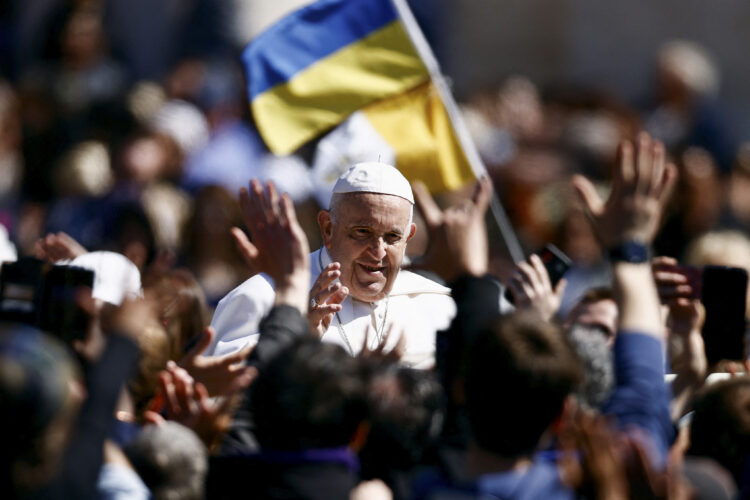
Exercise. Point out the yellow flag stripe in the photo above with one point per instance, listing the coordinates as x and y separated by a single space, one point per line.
418 128
382 64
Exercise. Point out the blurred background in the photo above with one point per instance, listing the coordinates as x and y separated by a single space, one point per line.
125 124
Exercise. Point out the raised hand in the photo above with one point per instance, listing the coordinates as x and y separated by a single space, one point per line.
457 235
641 185
279 246
378 353
221 375
532 288
188 403
326 296
58 246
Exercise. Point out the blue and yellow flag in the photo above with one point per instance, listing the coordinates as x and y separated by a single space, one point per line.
319 65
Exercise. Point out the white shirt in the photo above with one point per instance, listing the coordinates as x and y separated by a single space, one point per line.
416 305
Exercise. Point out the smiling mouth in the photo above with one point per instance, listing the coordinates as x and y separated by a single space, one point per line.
372 269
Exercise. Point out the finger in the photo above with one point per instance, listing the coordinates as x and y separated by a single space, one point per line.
529 275
243 380
667 293
426 204
670 278
664 260
329 274
248 209
560 288
201 345
366 350
541 272
483 194
168 388
625 173
643 163
657 167
288 214
248 251
151 417
273 199
324 295
339 296
592 202
666 187
258 204
399 349
239 356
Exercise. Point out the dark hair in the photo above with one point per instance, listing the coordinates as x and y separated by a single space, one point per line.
720 428
519 371
312 395
406 413
38 410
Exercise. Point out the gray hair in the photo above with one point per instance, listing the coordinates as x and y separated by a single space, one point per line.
590 345
171 460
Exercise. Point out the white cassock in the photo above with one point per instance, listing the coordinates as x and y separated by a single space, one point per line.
416 305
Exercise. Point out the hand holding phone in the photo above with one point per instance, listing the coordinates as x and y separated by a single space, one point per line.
530 283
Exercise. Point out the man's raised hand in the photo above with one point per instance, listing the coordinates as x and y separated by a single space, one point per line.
457 235
279 246
641 185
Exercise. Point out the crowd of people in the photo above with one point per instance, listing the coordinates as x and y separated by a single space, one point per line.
246 337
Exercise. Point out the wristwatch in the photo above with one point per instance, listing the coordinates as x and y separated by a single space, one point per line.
632 251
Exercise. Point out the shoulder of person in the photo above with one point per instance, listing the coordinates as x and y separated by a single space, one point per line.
410 283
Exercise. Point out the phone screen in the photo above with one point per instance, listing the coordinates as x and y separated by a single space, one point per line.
723 295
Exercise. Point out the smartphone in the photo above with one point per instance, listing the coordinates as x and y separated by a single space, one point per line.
555 262
723 293
59 312
43 295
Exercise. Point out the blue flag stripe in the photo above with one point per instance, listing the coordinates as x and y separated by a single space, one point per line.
308 35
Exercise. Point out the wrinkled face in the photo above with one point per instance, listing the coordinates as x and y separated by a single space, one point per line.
367 234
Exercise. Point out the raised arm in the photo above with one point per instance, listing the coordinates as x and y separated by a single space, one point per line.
626 225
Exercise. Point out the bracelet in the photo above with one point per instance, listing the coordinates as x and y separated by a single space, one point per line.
631 251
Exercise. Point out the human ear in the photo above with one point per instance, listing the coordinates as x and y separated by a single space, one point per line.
326 227
412 231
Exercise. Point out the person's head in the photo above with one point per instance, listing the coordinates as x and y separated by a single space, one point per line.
40 393
406 413
367 227
182 307
519 373
171 460
595 353
596 310
312 395
720 427
153 344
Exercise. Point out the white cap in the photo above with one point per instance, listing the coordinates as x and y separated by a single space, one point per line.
115 277
374 177
184 122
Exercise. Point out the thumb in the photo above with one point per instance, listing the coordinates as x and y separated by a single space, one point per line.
202 344
426 204
586 192
560 288
248 251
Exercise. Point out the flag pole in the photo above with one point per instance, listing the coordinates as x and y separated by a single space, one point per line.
454 114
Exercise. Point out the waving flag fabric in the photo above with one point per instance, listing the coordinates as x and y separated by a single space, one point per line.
334 58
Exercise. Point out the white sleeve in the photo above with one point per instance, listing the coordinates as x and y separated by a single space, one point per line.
238 315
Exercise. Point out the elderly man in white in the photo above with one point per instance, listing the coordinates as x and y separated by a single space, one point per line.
359 293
